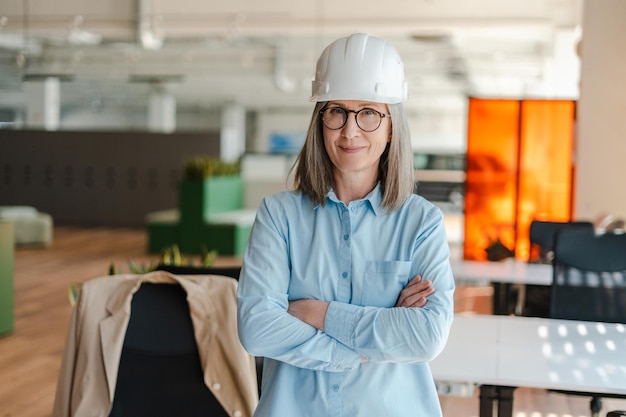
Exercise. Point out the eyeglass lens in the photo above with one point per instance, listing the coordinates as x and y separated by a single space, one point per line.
335 118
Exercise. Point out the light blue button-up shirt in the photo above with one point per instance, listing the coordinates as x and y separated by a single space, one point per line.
371 359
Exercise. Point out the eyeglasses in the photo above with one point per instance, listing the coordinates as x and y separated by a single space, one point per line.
367 120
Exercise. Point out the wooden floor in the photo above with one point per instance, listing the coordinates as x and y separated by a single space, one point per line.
30 356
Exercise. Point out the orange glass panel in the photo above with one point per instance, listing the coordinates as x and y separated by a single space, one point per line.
519 168
490 195
545 167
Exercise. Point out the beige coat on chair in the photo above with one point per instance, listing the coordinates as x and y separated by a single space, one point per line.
98 325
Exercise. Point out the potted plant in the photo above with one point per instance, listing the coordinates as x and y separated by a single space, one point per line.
208 186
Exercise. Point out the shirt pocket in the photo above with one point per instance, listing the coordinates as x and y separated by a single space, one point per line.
383 281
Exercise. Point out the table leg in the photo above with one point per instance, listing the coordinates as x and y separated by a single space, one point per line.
488 394
500 303
505 401
502 395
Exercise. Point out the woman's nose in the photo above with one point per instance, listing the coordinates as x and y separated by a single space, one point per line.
351 128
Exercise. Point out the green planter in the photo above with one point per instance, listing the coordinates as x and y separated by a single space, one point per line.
7 253
228 239
198 200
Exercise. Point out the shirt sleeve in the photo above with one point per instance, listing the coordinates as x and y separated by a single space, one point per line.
265 328
402 334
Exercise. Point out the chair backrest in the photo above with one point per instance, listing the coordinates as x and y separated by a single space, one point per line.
542 235
229 271
160 372
589 277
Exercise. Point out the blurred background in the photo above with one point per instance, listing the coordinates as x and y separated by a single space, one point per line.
170 66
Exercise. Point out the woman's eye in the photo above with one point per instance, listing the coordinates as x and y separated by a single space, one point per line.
368 112
336 110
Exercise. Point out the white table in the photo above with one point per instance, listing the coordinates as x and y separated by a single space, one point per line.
509 271
501 275
500 353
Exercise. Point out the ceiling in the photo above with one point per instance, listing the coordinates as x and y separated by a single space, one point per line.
262 53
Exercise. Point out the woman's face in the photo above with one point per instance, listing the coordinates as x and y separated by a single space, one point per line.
351 149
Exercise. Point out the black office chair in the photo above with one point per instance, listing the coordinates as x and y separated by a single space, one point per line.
160 374
542 234
534 300
229 271
589 283
616 413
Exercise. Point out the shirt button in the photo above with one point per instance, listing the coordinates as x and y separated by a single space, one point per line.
344 275
217 386
335 387
346 236
353 209
237 413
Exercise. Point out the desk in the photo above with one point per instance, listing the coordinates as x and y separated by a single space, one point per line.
500 353
501 275
509 271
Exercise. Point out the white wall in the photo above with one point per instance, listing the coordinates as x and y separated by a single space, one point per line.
601 142
439 132
288 123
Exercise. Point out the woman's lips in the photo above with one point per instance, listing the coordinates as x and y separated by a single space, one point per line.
351 149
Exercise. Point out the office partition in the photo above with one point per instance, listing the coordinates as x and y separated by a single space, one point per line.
519 167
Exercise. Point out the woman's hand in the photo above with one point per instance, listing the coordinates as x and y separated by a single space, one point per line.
312 312
415 293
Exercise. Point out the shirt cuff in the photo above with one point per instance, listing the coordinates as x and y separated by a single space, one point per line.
339 322
345 359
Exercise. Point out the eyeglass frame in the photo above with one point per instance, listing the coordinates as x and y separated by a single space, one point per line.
356 114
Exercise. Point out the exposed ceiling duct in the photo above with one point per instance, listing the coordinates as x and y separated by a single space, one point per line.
282 82
78 36
147 34
262 55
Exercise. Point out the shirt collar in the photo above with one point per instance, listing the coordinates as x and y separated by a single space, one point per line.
374 199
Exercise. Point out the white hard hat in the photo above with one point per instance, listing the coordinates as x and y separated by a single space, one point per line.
360 67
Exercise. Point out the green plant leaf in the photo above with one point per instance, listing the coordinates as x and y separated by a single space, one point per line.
201 167
207 257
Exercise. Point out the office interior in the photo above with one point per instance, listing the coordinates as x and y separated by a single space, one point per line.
122 92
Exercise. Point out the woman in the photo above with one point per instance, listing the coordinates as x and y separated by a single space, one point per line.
330 290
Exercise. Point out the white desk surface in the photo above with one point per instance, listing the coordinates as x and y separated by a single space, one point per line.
509 271
535 353
469 355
